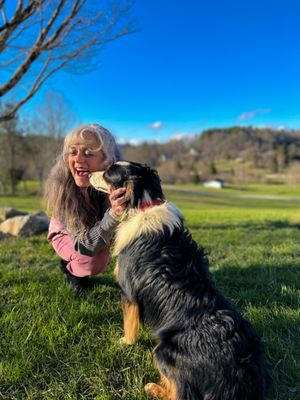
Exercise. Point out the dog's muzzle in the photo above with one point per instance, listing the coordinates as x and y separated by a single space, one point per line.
97 181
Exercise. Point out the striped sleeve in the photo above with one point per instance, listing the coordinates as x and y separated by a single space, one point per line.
98 237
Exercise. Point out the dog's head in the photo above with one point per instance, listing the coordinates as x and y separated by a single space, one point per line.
142 183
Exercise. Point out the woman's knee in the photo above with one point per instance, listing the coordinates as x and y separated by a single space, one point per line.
81 265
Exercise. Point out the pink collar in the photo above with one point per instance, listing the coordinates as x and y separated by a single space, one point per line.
154 202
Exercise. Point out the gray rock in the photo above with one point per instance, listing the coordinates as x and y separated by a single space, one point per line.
9 212
27 225
41 214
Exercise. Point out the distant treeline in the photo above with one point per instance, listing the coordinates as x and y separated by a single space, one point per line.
238 154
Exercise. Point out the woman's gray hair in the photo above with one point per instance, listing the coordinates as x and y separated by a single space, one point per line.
106 140
64 199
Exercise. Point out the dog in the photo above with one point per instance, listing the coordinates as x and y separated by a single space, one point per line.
206 350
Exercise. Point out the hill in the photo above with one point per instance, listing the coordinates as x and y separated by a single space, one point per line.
237 154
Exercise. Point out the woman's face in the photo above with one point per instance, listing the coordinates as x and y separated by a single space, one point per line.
84 158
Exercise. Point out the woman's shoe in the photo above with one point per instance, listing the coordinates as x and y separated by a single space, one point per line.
76 282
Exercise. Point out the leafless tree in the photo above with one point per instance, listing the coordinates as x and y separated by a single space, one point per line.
54 117
40 37
10 150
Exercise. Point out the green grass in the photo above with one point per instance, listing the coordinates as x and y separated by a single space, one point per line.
22 202
28 187
56 345
244 190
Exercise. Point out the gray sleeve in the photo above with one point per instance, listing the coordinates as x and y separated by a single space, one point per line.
98 237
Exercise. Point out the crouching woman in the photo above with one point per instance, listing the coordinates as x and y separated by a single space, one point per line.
83 220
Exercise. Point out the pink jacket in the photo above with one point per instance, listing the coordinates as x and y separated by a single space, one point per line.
78 264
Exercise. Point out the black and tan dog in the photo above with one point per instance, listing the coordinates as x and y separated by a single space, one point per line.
205 350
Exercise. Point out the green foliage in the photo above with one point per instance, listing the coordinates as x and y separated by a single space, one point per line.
57 345
16 175
261 147
212 168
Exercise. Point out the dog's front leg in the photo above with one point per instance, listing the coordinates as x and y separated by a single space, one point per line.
131 317
131 320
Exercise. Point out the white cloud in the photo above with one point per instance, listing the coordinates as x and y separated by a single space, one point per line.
185 136
275 127
156 125
251 114
247 115
133 142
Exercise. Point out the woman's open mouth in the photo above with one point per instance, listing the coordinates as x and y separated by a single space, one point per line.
83 173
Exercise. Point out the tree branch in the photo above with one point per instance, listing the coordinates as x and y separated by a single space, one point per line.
33 55
19 17
44 37
21 14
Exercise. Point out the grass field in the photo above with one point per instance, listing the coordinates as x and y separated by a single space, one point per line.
57 345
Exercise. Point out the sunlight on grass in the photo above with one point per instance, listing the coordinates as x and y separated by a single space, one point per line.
30 203
56 345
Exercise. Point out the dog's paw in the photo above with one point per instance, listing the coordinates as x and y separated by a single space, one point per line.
154 390
149 386
123 340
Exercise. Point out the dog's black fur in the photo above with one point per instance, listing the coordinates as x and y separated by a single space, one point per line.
206 350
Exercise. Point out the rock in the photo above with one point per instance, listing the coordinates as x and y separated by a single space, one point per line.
25 225
9 212
41 214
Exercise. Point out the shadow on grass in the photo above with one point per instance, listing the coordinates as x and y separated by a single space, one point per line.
271 288
260 284
269 297
104 280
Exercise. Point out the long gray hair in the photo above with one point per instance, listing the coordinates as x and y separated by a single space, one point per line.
64 199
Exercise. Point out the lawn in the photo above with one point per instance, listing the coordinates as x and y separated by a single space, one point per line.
244 190
58 345
22 202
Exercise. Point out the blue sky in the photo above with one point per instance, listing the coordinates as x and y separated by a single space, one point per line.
194 65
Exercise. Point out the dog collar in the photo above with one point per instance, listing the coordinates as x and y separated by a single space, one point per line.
154 202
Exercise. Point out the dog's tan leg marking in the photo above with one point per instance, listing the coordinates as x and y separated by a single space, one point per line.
166 390
131 322
116 271
131 318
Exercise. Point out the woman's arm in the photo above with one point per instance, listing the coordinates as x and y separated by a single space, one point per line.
94 240
98 237
78 264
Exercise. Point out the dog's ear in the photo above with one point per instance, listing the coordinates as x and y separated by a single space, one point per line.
129 192
152 182
134 192
138 179
143 185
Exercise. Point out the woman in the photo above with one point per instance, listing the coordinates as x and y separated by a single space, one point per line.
83 220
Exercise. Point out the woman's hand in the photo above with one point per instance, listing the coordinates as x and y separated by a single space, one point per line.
117 201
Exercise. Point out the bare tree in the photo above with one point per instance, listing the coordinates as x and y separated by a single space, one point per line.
10 151
54 117
40 37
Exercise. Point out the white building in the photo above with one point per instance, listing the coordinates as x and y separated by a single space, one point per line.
215 183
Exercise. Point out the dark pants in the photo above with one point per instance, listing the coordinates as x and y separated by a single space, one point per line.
78 283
